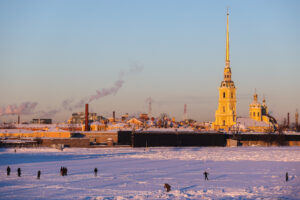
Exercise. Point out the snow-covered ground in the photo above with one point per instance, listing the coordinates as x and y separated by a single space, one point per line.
136 173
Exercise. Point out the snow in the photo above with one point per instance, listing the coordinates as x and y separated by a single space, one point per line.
138 173
248 122
120 125
161 130
15 131
291 133
96 123
17 141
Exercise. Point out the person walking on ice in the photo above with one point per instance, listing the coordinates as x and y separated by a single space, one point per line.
8 171
205 175
19 172
95 171
39 174
167 187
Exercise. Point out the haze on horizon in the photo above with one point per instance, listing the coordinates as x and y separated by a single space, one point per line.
53 53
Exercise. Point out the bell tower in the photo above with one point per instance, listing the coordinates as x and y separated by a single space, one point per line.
226 112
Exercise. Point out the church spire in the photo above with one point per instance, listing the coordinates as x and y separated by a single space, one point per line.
227 61
227 70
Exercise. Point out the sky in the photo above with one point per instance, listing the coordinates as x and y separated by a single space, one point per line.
55 55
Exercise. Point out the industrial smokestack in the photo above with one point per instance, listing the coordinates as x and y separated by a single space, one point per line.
18 119
185 112
114 116
288 120
150 108
296 119
86 127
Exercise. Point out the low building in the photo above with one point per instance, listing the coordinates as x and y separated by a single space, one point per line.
135 122
247 125
19 133
41 121
79 118
96 126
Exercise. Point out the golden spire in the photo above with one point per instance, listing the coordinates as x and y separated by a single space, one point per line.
227 61
227 70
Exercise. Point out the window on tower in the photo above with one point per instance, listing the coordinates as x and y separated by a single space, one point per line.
223 122
224 95
223 108
253 114
231 94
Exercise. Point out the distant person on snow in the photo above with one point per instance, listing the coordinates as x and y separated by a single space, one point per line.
286 177
63 171
38 174
167 187
205 175
19 172
95 171
8 171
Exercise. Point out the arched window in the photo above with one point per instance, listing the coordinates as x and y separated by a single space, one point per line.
253 114
258 114
223 108
231 94
224 95
223 122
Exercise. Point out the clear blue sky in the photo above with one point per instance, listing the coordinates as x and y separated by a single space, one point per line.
54 50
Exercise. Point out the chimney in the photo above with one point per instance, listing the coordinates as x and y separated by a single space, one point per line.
185 112
284 122
296 119
150 107
18 119
114 116
86 127
288 120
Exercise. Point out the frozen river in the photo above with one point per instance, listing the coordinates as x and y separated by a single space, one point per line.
138 173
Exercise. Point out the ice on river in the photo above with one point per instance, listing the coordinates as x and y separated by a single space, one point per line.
138 173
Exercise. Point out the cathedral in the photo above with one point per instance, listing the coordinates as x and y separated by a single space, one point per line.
260 113
226 119
226 112
257 111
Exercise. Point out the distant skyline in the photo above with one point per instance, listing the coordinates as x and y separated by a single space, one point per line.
54 53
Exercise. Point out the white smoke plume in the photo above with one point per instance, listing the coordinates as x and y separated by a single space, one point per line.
48 114
111 90
24 108
106 91
68 104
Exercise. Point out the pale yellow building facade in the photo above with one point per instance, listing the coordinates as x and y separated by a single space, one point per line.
259 112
